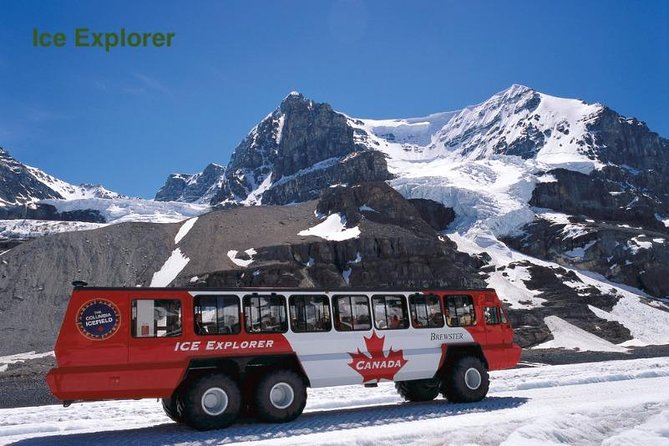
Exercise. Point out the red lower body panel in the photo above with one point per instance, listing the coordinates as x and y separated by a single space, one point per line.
502 356
97 383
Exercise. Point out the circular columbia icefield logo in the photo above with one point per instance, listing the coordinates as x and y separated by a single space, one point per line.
98 319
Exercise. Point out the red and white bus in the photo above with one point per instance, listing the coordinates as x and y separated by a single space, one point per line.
211 353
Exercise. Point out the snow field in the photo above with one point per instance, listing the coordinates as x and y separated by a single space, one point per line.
613 403
133 209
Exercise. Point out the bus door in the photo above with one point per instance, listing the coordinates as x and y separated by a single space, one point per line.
498 330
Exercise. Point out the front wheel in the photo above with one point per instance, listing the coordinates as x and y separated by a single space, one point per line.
467 381
280 396
212 402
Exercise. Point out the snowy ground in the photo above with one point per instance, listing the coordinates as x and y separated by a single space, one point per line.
609 403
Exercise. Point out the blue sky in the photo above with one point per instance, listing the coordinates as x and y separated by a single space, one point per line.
128 118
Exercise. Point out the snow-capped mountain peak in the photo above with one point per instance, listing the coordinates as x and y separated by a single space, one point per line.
22 184
518 121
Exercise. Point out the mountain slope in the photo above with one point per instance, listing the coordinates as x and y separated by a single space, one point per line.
21 184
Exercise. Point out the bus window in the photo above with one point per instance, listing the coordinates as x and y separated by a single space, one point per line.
425 311
492 316
216 315
309 313
390 312
351 313
156 318
265 313
460 311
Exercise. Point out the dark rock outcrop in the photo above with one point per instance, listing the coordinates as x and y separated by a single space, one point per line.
293 154
43 211
306 147
200 187
634 256
434 213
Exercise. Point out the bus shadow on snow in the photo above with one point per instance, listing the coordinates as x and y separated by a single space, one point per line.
308 423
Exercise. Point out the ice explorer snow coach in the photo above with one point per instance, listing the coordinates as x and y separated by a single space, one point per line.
210 354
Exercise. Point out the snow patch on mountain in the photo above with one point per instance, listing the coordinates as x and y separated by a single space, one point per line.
508 282
5 361
232 255
184 229
647 325
333 228
170 269
493 192
566 335
255 196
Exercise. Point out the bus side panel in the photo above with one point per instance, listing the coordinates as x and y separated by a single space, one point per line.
157 381
75 349
501 356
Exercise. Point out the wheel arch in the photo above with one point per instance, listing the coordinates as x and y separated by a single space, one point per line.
241 369
455 352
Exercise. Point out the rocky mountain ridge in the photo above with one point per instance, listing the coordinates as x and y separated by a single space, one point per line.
22 185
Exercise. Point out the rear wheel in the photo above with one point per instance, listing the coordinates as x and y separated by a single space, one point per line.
419 389
212 402
173 408
467 381
280 396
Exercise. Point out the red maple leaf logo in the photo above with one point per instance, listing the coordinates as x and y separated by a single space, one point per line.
377 365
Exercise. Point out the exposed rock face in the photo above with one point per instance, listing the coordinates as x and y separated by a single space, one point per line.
300 149
569 304
43 211
623 254
393 238
197 188
632 187
434 213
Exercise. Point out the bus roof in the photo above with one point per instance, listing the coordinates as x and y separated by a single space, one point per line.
282 289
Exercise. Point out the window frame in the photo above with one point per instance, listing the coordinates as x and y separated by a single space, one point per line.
197 304
415 320
336 320
447 308
325 303
176 333
403 308
247 315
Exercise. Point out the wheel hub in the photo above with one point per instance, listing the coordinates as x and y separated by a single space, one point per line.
472 379
281 395
214 401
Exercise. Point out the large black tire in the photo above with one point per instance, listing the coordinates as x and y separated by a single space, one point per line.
211 402
419 389
173 408
280 396
467 381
